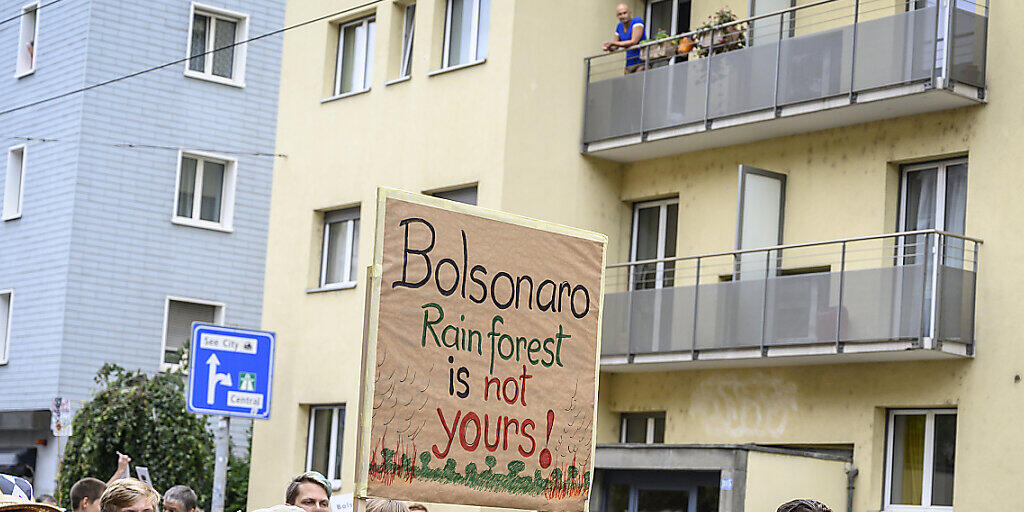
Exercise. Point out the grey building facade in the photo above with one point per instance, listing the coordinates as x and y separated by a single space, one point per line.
131 209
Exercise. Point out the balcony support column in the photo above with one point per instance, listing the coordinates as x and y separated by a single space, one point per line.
764 303
937 257
947 46
696 300
839 306
778 65
853 50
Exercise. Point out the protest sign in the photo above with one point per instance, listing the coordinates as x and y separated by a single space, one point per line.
481 356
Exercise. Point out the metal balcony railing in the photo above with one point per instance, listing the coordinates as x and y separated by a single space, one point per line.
817 51
914 286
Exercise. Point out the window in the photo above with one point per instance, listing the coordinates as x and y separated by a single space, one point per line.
408 31
933 196
6 307
654 237
14 185
920 456
355 56
338 262
642 427
205 192
466 28
465 195
179 313
762 203
27 47
215 29
326 439
672 16
766 30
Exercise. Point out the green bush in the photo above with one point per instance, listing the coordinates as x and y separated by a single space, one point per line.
144 417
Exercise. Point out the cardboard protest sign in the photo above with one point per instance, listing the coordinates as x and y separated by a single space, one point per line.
481 357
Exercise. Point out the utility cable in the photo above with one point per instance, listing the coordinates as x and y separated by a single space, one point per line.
23 13
185 59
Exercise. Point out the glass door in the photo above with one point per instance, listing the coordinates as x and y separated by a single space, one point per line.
654 238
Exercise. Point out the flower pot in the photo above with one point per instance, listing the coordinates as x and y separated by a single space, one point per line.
661 50
685 45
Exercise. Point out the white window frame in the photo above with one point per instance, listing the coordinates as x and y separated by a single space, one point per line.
369 48
662 224
408 36
227 200
6 348
940 193
651 418
218 318
675 15
928 462
10 194
474 32
332 445
19 71
241 34
350 280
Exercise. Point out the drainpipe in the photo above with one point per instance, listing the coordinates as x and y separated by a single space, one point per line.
851 474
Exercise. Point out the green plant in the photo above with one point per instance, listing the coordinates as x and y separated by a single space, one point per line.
237 492
721 40
145 417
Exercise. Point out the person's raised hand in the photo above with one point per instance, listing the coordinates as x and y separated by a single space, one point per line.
122 463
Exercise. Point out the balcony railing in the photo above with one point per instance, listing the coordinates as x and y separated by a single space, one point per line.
822 55
875 294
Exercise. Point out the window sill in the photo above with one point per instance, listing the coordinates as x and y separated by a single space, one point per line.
25 73
456 68
212 226
345 95
333 287
14 216
398 80
214 78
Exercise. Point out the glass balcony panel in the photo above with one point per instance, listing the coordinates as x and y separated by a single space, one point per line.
883 304
970 31
815 66
799 310
614 326
956 304
675 94
662 320
895 49
743 80
729 314
614 107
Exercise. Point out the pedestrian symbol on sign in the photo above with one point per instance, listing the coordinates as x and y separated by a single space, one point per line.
246 381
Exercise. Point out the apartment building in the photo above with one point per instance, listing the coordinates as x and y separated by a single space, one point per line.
129 210
796 305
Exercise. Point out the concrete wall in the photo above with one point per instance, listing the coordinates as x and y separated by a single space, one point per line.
774 479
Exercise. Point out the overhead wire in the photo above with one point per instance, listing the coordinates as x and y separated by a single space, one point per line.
184 59
24 13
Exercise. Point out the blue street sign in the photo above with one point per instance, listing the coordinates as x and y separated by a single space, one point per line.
230 371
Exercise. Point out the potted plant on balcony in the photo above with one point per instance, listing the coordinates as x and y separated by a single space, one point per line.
716 39
663 49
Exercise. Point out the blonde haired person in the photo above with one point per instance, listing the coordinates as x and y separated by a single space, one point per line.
383 505
129 495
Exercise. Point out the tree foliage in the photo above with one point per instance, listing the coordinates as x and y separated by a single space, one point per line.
144 417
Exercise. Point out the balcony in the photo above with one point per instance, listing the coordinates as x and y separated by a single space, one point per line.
895 297
821 65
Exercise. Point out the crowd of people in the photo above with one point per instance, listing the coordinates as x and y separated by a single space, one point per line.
308 492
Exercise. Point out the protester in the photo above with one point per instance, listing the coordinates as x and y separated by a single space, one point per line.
417 507
85 495
15 496
47 499
310 491
180 498
803 506
383 505
129 495
122 468
15 486
628 32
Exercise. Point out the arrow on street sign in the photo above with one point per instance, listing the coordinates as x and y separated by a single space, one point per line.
215 378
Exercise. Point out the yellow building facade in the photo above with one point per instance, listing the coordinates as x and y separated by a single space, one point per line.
778 340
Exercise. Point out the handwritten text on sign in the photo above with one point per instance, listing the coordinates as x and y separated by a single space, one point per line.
486 361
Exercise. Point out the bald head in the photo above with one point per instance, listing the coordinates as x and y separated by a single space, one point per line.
623 13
